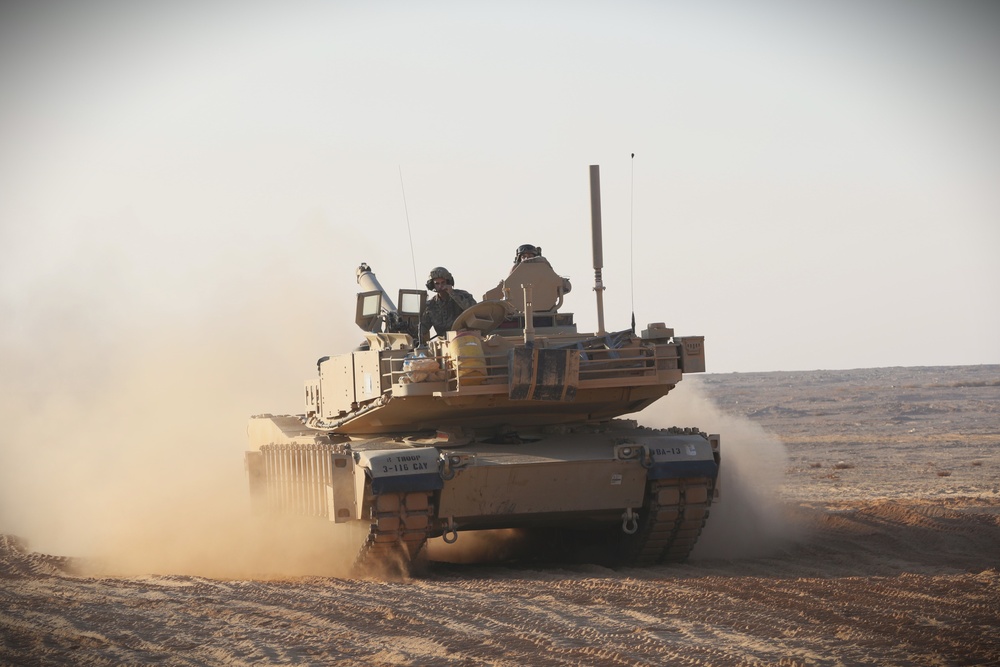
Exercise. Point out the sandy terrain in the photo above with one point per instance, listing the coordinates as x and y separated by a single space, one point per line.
859 524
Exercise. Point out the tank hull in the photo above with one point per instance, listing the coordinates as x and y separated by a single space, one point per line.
623 494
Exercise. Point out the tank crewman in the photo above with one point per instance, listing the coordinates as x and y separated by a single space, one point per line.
532 252
526 251
448 303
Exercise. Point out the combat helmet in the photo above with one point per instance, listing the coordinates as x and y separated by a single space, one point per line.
439 272
526 248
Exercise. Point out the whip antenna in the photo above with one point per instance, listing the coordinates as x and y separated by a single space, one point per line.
413 261
631 240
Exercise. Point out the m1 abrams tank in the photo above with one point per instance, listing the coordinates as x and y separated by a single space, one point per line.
510 420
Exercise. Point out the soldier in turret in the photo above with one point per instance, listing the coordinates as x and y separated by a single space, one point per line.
526 251
447 304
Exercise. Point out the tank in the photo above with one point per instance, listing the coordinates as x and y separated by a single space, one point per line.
514 419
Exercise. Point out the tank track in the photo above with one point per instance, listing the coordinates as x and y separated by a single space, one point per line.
669 523
401 523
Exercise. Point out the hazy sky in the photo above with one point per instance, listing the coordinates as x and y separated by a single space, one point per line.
186 189
813 187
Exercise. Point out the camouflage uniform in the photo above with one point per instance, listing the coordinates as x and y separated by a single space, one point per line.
441 310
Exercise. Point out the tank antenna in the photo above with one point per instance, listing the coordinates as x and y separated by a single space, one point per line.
413 261
598 244
631 240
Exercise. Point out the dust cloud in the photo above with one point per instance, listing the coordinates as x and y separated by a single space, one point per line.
749 519
122 445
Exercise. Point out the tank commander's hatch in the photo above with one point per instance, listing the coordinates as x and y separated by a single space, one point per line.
547 287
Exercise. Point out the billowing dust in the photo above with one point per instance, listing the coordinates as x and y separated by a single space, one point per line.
125 447
747 520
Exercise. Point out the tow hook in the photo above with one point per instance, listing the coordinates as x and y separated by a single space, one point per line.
450 462
444 469
451 533
630 522
629 450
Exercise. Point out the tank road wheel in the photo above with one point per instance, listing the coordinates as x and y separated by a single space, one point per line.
399 527
669 522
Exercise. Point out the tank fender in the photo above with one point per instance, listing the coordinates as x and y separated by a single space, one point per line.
396 470
672 456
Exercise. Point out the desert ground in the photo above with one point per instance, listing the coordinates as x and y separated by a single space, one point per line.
858 524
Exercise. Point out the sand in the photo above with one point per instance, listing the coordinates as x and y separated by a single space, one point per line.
859 523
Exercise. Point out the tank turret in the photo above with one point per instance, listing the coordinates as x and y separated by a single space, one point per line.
509 420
